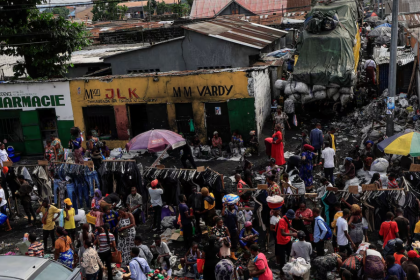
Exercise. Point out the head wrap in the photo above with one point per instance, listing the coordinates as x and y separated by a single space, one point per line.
248 224
369 141
97 191
308 147
214 133
349 159
154 183
67 201
252 132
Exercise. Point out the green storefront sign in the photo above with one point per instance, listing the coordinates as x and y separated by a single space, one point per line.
16 102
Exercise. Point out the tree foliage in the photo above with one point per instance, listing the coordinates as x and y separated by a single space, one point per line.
151 6
108 10
181 9
161 8
61 11
45 43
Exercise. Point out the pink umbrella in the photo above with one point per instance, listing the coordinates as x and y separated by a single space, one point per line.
156 140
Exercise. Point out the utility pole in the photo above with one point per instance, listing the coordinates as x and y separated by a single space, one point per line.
392 83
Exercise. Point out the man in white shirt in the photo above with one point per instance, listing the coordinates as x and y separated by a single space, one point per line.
161 250
328 159
4 156
156 199
343 237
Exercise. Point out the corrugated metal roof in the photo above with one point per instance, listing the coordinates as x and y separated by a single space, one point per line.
238 31
211 8
404 56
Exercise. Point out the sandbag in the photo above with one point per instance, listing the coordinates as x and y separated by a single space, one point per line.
375 135
318 88
346 90
379 165
280 84
306 98
319 95
295 87
289 105
299 184
345 98
331 92
297 97
336 96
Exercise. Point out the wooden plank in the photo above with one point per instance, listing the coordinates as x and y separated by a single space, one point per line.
332 189
160 166
414 167
89 164
369 187
42 162
262 187
201 169
8 163
354 189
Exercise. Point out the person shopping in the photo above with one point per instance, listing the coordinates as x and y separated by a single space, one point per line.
64 250
277 148
91 261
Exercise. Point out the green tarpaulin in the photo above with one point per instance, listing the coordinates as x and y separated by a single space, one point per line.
328 57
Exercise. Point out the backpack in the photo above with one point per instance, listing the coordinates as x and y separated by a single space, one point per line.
329 233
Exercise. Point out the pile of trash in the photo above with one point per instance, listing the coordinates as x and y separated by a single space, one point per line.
298 92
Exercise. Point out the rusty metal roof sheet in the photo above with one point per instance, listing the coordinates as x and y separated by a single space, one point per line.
211 8
238 31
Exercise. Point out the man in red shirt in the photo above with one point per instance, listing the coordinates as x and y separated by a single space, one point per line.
389 229
263 272
240 183
283 245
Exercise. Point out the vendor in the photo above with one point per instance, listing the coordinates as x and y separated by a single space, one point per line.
95 206
209 207
349 170
248 236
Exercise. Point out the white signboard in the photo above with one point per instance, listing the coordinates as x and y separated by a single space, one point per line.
31 96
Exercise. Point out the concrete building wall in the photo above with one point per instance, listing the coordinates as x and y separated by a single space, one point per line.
259 87
191 53
165 57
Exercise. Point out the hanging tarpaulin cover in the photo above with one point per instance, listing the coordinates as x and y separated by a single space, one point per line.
327 57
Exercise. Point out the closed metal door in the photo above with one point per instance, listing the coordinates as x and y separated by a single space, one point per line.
31 132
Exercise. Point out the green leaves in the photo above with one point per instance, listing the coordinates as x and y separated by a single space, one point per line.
108 10
44 42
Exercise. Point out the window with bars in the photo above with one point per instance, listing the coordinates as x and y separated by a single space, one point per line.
11 130
102 119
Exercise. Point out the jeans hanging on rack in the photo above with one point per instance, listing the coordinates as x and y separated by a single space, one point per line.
92 177
71 191
82 191
61 187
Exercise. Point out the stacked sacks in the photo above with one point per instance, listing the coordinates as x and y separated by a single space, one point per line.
301 92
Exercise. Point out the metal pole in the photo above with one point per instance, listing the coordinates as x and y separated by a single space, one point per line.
392 84
382 8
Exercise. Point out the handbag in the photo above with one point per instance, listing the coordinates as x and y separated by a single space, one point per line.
116 257
200 265
123 233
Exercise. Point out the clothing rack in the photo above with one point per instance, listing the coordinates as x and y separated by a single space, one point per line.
110 160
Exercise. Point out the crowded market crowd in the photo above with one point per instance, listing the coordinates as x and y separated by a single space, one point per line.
305 212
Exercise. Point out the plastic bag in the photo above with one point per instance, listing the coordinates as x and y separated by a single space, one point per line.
379 165
306 98
287 267
331 92
289 105
168 222
299 267
319 95
296 87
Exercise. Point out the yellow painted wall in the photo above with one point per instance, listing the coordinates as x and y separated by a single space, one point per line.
194 88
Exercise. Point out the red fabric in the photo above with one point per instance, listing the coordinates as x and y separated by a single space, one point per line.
388 231
412 254
308 147
283 224
261 263
370 73
240 185
277 150
200 265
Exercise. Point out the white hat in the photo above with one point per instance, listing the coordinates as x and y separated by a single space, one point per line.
214 133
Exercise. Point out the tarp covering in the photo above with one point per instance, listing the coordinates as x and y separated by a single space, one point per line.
328 57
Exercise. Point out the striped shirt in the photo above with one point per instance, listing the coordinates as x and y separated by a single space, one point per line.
36 250
103 242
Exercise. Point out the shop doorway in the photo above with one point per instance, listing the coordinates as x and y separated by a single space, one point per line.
184 118
144 117
31 132
217 119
